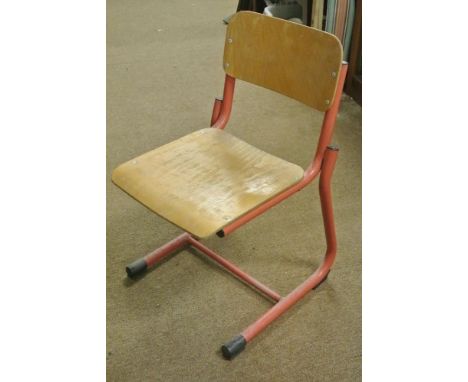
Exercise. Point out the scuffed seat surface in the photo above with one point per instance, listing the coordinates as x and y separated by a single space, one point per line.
205 180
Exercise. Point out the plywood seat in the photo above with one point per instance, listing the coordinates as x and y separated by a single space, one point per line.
205 180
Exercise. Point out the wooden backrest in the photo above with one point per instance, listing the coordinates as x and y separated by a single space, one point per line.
297 61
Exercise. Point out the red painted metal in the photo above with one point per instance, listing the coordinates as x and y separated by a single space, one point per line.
218 102
323 163
160 253
328 124
226 106
284 304
186 239
235 270
312 171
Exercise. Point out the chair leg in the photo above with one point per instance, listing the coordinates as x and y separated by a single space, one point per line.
249 280
139 266
236 345
218 102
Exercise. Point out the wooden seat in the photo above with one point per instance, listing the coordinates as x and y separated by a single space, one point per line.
205 180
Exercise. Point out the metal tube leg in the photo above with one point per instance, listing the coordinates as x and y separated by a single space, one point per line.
218 102
235 346
226 104
140 265
235 270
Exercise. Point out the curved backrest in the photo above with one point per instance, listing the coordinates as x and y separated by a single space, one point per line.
292 59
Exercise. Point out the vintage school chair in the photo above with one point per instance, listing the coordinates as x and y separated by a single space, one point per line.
211 182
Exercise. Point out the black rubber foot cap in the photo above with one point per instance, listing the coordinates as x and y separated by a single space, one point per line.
233 347
136 268
220 233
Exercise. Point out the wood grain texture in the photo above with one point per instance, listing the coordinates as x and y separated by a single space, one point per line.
205 180
295 60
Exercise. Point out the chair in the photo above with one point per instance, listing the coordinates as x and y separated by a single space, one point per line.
211 182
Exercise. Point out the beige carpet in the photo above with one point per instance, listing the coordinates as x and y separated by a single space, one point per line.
163 71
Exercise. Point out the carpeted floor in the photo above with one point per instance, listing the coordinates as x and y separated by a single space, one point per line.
163 71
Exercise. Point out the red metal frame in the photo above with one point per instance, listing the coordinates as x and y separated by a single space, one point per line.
323 163
311 172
